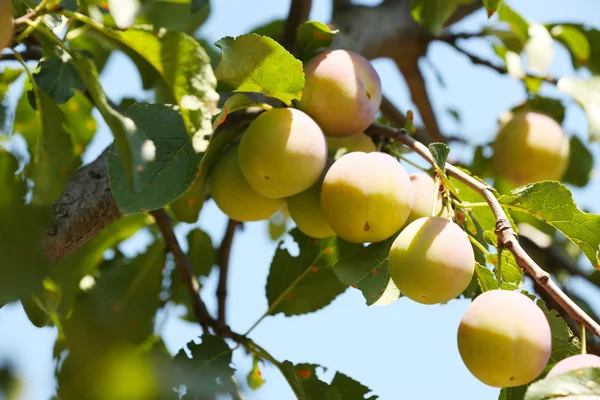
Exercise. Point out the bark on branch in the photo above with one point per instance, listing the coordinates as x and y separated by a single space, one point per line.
506 236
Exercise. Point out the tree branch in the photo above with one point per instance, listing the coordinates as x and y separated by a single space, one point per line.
224 251
32 53
299 11
504 232
186 271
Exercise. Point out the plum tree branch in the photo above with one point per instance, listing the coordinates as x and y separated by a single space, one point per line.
186 272
223 260
506 235
299 11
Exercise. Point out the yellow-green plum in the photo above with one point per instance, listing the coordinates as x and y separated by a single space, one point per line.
424 190
531 147
305 210
6 24
431 261
574 363
282 153
342 92
366 197
504 339
358 142
233 195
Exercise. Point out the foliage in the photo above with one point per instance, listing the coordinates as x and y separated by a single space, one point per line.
104 302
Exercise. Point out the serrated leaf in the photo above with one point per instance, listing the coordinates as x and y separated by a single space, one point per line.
539 49
553 203
350 389
254 63
124 11
433 14
587 93
487 279
582 384
306 282
171 162
574 41
511 272
492 6
128 137
208 371
312 36
440 152
235 103
58 77
366 268
581 164
564 343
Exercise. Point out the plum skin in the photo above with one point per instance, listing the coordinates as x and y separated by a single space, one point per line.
283 152
366 197
423 188
504 339
531 147
342 92
573 363
431 261
233 195
359 142
305 210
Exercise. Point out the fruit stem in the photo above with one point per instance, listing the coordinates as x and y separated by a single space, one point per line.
469 205
583 341
436 191
499 266
479 246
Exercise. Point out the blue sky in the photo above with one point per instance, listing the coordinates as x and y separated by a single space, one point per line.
404 350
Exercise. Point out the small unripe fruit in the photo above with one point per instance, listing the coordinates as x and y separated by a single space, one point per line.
531 147
504 339
431 261
233 195
574 363
305 210
424 190
342 92
359 142
6 23
282 153
366 197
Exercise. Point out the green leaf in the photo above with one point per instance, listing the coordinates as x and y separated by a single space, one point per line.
553 203
487 279
208 371
491 6
175 15
79 121
350 389
513 393
90 42
574 41
171 163
581 164
587 93
582 384
440 152
54 158
433 14
516 22
539 49
58 77
511 272
366 268
564 342
254 63
273 29
306 282
22 228
128 137
313 36
122 303
552 107
235 103
197 5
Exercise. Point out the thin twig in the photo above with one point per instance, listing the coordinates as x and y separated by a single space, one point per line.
185 269
506 236
503 70
32 53
224 252
299 11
